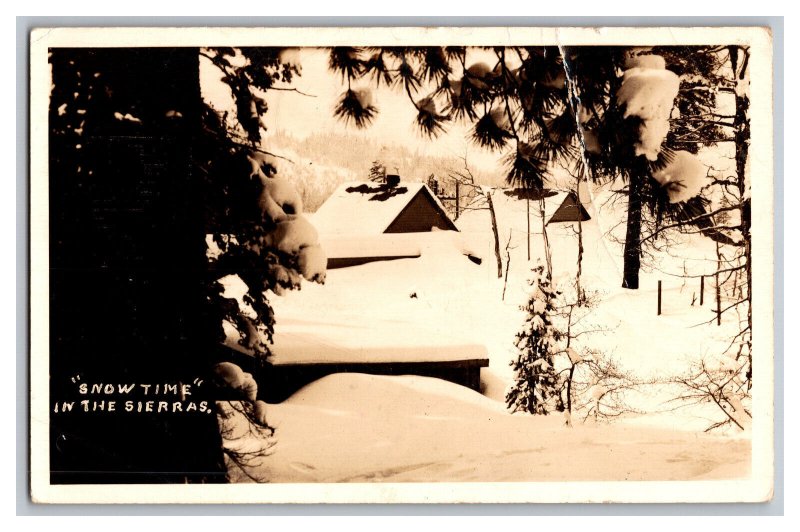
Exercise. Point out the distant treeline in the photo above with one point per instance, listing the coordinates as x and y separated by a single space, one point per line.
319 163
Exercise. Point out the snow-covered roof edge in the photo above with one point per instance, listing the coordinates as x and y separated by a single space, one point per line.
336 211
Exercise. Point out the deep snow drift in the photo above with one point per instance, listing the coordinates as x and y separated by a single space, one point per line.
365 428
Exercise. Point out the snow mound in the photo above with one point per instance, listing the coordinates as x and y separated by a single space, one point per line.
397 244
383 245
684 176
366 428
406 395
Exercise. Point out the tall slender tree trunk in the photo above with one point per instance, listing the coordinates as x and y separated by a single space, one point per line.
633 243
528 223
579 271
496 236
546 243
742 136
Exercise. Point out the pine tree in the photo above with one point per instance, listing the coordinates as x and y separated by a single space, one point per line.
377 172
535 388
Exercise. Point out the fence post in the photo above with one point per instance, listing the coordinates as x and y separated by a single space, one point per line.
659 298
702 288
457 199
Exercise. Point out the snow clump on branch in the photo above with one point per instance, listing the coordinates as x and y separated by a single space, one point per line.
364 97
291 57
683 176
293 234
279 191
648 91
231 376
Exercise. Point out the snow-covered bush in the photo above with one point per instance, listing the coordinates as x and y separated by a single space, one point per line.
596 387
721 381
278 190
535 388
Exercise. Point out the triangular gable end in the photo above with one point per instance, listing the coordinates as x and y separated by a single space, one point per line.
570 210
422 213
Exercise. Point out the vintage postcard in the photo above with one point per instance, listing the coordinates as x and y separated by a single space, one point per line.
394 265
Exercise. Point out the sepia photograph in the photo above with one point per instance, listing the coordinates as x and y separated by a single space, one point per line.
401 265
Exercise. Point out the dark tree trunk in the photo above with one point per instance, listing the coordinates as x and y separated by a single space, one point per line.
742 136
127 261
548 258
633 245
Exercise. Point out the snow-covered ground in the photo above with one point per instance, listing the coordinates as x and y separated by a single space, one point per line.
366 428
373 428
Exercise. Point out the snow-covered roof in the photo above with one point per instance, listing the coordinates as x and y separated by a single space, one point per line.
304 341
382 245
300 340
502 198
379 312
552 201
395 244
365 208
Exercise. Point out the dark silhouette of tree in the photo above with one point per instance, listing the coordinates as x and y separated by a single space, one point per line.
141 170
127 262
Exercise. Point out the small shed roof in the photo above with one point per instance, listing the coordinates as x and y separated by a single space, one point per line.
568 210
367 208
559 206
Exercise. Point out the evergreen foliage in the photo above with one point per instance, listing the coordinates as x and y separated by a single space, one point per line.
536 388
